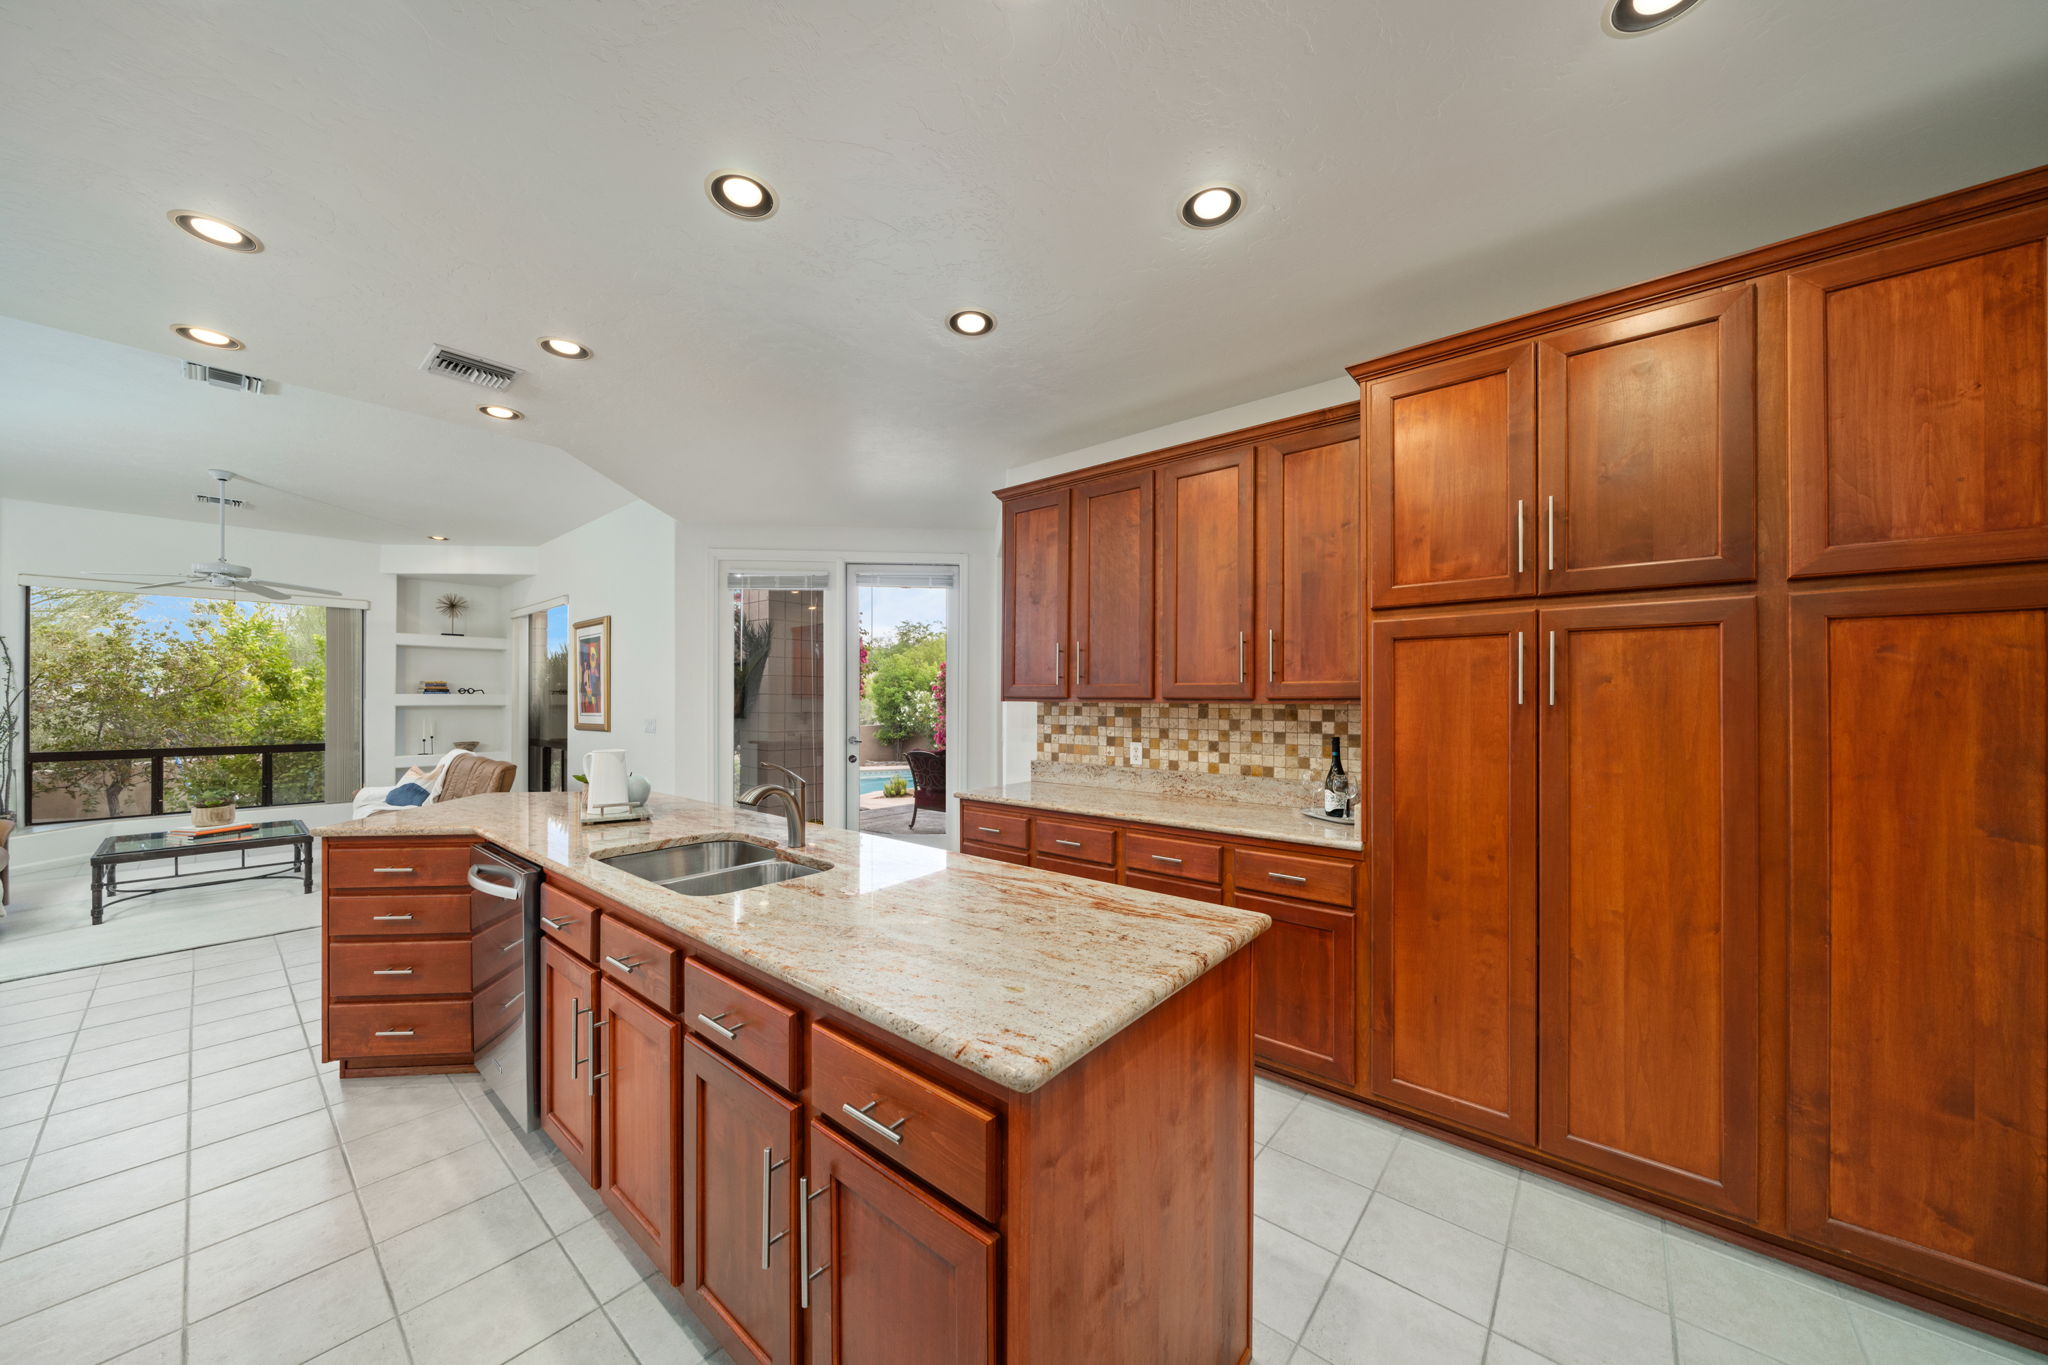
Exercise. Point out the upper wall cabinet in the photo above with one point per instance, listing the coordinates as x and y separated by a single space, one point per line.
1035 541
1451 465
1917 401
1205 554
1646 448
1112 586
1310 589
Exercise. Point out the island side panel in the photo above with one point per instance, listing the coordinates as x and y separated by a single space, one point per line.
1130 1190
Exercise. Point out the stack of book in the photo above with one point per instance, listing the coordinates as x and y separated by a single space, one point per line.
434 685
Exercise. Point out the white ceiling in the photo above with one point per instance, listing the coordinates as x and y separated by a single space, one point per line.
480 173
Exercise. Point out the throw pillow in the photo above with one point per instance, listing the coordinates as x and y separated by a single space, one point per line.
407 794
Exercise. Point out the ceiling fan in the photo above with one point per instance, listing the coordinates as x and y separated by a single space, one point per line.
217 573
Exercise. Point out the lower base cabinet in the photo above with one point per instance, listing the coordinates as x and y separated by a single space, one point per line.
740 1203
640 1053
891 1274
568 1089
1306 1017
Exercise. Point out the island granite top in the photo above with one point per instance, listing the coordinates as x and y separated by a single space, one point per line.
1013 973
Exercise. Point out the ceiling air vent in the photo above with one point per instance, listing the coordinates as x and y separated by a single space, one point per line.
224 379
485 374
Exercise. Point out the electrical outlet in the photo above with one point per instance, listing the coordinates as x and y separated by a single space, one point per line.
1136 750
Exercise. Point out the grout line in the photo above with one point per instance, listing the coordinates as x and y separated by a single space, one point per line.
185 1285
1500 1274
14 1200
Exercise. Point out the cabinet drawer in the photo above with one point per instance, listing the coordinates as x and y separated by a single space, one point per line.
1094 872
400 916
1082 843
1165 857
496 1007
394 867
1005 829
948 1140
569 921
398 1028
1308 879
1174 886
495 950
400 967
1001 855
640 962
741 1022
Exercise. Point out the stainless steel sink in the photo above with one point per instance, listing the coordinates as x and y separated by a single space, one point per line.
715 867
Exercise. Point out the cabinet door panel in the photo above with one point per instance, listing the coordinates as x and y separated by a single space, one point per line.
1451 467
1310 576
1647 448
1649 875
1919 1064
739 1202
1113 604
1454 868
1205 586
1307 965
640 1086
901 1278
1035 596
1917 402
568 1014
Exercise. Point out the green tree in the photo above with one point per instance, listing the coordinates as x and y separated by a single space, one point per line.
899 680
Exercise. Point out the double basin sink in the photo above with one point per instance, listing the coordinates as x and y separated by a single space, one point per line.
715 867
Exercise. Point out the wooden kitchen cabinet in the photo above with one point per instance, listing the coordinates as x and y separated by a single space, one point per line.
1113 602
741 1164
1916 394
1646 448
1036 545
1453 808
900 1278
1648 868
1919 1009
1206 535
639 1054
1307 970
1450 456
1310 588
567 1022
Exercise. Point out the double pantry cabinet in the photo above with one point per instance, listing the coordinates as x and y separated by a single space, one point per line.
1706 698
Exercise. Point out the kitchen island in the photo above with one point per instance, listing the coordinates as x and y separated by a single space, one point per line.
911 1106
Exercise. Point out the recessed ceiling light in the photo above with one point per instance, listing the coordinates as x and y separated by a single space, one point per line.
437 537
1211 207
565 348
742 196
1626 18
501 412
207 336
218 231
971 322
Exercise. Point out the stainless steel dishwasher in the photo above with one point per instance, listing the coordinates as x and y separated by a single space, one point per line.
504 927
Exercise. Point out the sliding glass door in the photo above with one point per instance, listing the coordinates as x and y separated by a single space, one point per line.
894 772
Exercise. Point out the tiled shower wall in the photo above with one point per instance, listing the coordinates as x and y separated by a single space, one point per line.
1225 739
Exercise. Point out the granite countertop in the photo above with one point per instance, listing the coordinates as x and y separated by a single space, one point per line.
1211 815
1011 972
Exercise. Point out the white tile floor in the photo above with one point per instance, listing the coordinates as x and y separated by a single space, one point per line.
182 1181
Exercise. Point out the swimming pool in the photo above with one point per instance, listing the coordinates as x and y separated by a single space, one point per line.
874 779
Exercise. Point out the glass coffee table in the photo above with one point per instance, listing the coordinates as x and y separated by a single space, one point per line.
159 845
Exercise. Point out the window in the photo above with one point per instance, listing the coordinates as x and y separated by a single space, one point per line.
134 700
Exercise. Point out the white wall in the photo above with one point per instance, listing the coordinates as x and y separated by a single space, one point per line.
623 565
1018 738
42 538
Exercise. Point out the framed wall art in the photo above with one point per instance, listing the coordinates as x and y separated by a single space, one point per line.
590 648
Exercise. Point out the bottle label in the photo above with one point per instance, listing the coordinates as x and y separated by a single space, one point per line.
1333 803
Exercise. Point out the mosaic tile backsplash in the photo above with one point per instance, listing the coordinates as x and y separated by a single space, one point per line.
1237 750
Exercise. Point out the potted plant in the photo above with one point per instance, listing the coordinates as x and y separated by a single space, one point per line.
213 801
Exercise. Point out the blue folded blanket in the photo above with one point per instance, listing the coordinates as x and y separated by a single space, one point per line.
407 794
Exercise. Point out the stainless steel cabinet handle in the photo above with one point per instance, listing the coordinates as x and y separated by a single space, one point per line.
1518 668
1162 858
391 869
1240 656
1288 877
1553 668
515 943
390 917
621 964
391 971
394 1033
1068 843
1550 532
769 1166
503 891
590 1085
556 923
804 1195
1521 533
513 1001
710 1021
1080 664
887 1130
576 1061
988 829
1059 663
1269 655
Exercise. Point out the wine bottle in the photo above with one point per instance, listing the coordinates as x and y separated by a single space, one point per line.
1336 783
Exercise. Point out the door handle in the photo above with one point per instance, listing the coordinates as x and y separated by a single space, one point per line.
1059 663
576 1013
804 1195
1518 668
590 1082
1550 533
1553 668
1240 656
1269 653
1521 533
769 1166
1080 664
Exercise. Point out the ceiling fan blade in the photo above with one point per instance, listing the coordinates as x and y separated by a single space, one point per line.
251 585
297 587
173 575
